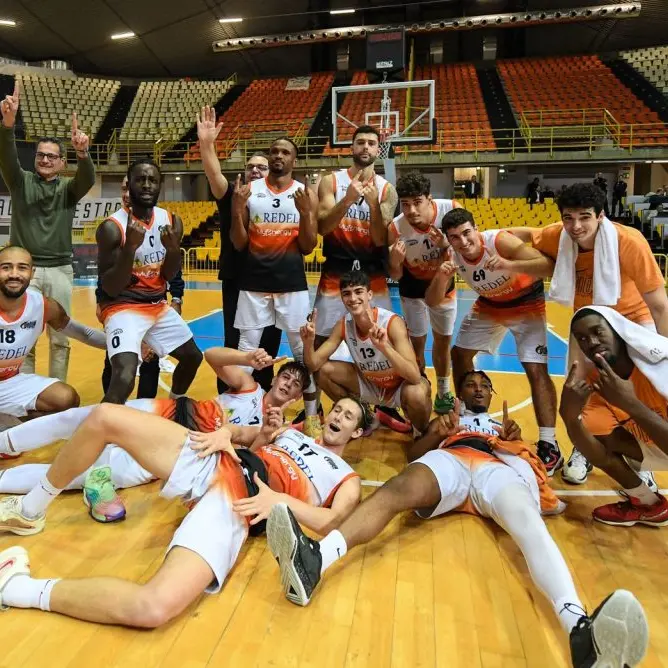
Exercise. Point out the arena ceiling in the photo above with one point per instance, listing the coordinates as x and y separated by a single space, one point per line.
174 37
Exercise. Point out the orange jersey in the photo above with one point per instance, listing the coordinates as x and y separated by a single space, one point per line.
602 418
639 271
146 282
502 294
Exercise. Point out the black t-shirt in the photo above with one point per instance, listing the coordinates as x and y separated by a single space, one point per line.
231 260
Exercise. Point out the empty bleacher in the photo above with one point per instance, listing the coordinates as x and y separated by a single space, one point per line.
556 86
167 109
502 212
463 124
47 103
652 63
191 213
268 108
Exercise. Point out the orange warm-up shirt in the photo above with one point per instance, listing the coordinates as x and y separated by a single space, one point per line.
639 270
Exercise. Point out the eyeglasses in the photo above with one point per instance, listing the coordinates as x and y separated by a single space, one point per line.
261 168
51 157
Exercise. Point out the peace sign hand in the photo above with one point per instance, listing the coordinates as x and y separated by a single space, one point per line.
241 193
612 388
9 107
510 430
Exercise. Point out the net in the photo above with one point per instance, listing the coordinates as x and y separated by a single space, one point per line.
385 145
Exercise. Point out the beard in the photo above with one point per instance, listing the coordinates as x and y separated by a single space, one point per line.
13 293
477 408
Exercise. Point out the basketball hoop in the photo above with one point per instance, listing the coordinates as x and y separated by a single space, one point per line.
385 151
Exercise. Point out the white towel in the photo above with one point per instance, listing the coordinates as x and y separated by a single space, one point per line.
607 275
647 349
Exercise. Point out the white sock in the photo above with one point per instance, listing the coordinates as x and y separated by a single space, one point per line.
443 385
547 434
644 494
22 591
332 548
37 500
569 612
173 395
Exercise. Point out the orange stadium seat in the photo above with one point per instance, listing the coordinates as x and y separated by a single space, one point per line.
581 82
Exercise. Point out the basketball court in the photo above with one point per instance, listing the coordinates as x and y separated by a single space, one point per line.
451 592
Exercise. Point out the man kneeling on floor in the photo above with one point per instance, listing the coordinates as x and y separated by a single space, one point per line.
222 486
617 416
384 370
473 464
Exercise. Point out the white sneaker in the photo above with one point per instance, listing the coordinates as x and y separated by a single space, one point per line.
13 561
577 468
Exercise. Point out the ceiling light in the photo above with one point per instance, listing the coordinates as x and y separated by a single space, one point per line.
7 22
341 11
237 20
123 35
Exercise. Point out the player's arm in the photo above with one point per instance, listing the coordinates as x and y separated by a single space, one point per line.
314 359
324 520
397 254
330 214
430 440
400 351
57 318
171 240
516 256
217 181
657 302
306 203
523 233
226 363
114 260
240 215
384 216
434 293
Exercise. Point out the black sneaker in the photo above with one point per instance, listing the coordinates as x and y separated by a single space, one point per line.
550 455
616 634
298 556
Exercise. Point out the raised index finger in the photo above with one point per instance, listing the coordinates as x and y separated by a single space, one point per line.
75 122
15 94
603 365
505 411
572 372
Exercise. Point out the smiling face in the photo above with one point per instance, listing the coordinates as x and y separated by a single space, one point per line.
465 240
476 393
595 337
581 225
48 160
342 424
356 299
16 272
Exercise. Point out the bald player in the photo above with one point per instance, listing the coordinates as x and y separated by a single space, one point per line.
24 313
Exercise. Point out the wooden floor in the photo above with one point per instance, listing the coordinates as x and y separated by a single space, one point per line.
452 592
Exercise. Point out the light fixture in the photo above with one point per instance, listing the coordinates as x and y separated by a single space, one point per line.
236 20
7 22
123 35
341 11
178 178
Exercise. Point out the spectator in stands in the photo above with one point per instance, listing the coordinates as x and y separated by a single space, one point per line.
602 183
472 188
533 192
231 260
547 192
618 194
43 206
149 369
659 198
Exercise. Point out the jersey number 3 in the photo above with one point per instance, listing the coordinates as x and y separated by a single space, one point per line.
276 203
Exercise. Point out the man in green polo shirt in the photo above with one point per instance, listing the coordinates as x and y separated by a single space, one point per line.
43 206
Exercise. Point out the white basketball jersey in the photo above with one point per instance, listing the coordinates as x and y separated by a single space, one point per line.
422 257
243 408
494 285
479 423
147 284
17 337
274 262
371 363
325 470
